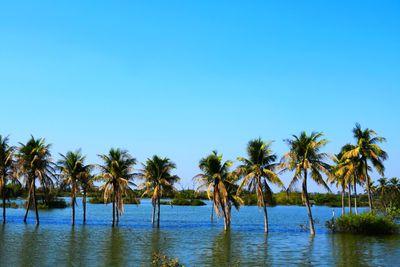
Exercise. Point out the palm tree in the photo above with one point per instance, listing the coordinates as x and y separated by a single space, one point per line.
34 162
86 183
116 172
339 179
72 167
368 150
257 170
157 177
220 185
353 171
6 167
304 157
383 187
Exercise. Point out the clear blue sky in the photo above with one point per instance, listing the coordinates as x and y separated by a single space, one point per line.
181 78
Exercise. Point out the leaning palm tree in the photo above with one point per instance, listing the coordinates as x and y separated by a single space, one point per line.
116 172
367 150
72 167
157 177
6 168
257 170
220 184
34 162
304 158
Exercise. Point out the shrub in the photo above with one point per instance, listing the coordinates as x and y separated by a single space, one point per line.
184 202
365 223
160 260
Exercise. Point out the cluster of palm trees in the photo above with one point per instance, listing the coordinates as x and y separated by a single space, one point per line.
355 161
31 163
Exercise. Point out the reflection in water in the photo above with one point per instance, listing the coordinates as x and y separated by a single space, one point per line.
224 252
28 251
352 250
115 248
308 252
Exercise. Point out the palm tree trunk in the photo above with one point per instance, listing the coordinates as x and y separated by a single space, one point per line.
265 219
350 199
35 203
84 205
212 211
368 186
342 202
158 212
113 209
154 214
355 197
305 193
4 201
28 202
73 211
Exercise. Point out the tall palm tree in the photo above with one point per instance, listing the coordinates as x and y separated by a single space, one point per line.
257 170
220 185
72 167
34 162
157 177
304 158
116 172
368 150
86 183
6 168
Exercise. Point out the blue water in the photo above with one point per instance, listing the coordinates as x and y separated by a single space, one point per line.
187 233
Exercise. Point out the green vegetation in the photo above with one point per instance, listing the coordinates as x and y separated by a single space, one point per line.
160 260
183 202
364 223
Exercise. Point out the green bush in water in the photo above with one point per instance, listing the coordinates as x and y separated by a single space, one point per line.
365 223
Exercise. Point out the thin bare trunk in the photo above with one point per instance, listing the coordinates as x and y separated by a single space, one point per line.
28 204
212 211
154 214
355 197
4 201
73 210
158 212
350 199
113 209
84 205
342 202
368 187
35 203
305 193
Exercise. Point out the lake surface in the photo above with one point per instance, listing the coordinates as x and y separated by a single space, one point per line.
186 233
